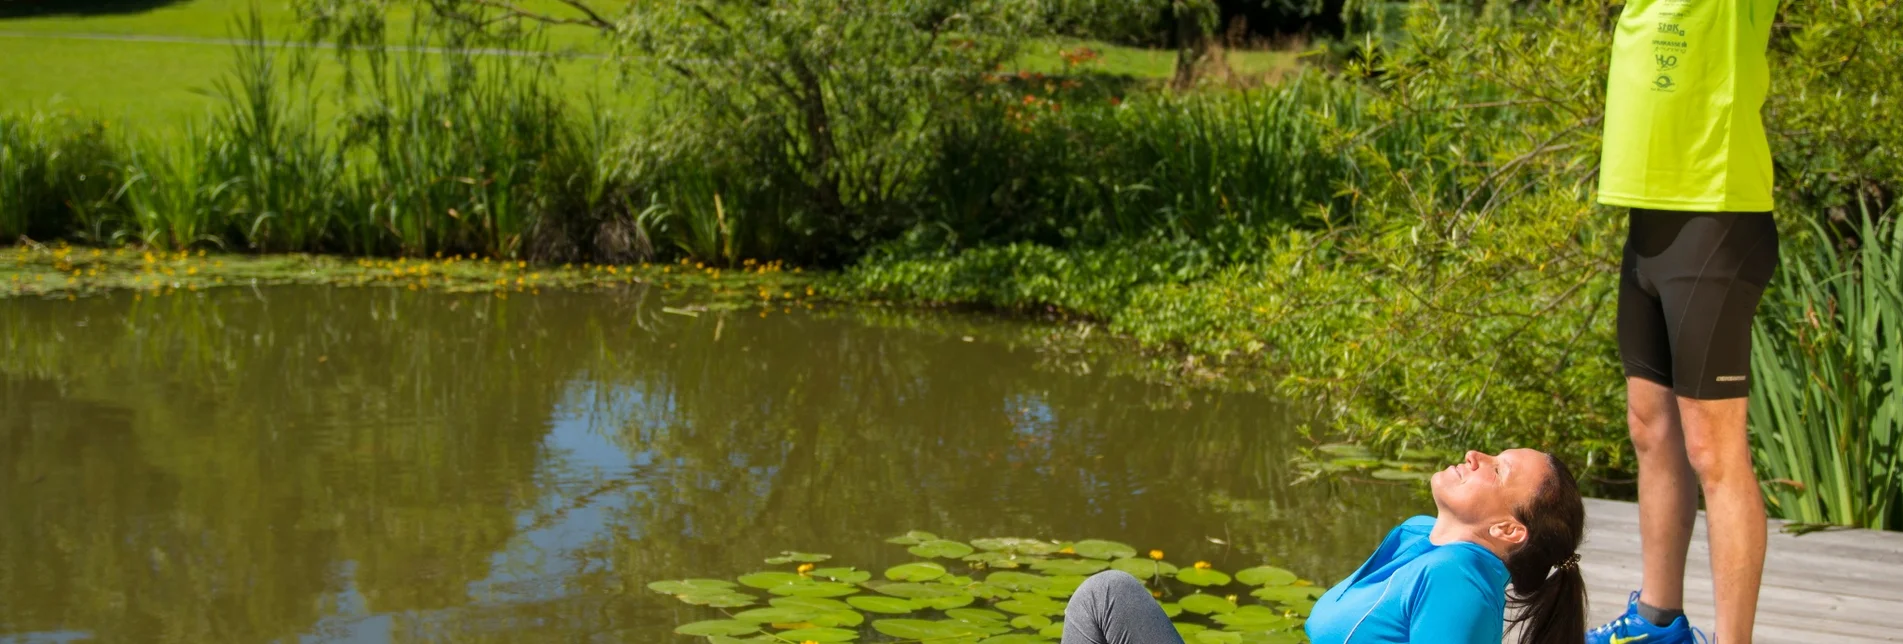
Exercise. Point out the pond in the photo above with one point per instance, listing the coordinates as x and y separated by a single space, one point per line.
378 465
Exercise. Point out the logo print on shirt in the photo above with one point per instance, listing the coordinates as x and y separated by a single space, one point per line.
1671 28
1666 62
1664 81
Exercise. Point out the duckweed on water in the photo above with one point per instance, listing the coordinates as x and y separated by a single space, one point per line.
988 591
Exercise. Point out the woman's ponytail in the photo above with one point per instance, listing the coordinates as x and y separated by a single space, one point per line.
1549 596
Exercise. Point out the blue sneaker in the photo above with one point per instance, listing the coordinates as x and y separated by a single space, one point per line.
1630 628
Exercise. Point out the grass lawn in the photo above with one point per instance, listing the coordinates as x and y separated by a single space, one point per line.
55 63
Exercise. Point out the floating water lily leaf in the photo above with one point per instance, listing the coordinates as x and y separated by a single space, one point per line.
955 580
757 639
818 634
810 603
1062 586
726 599
992 559
788 556
1286 594
1100 549
912 538
815 589
1016 545
1271 637
839 618
1070 566
717 627
919 629
1188 630
976 615
910 590
984 590
1171 609
842 575
691 586
1018 581
1015 638
1202 577
1032 622
1266 576
947 602
1254 618
1143 568
887 605
776 615
1055 630
1202 604
1391 474
767 580
1032 605
1218 637
940 548
917 571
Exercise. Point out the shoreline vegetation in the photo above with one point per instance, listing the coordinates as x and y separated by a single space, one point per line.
1402 233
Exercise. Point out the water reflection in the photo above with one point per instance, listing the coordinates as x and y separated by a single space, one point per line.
368 465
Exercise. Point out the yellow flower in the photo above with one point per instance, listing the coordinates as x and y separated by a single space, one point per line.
1068 550
1202 565
805 568
1156 554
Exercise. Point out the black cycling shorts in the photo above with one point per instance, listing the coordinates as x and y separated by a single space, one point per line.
1688 288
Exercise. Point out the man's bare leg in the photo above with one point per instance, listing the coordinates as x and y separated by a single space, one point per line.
1720 451
1668 491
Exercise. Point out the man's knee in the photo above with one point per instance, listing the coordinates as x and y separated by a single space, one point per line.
1652 427
1716 445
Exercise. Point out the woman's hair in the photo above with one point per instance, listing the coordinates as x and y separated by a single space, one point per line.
1547 590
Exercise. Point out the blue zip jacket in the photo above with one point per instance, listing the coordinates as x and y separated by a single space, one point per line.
1411 590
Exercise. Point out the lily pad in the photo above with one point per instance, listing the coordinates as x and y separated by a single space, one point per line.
1287 594
1018 581
911 590
788 556
992 560
920 629
717 627
1202 577
1016 545
1218 637
1187 630
976 615
815 589
810 603
690 586
887 605
1171 609
839 618
940 548
1144 568
727 599
819 634
1033 605
1100 549
1070 566
1055 630
767 580
776 615
948 602
1266 576
1202 604
1015 638
1032 622
1062 586
917 571
842 575
1253 618
912 538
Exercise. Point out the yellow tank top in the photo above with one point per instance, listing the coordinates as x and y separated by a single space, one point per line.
1682 126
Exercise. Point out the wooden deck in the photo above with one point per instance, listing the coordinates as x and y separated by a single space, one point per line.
1837 587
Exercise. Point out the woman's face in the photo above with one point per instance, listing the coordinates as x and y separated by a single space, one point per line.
1483 489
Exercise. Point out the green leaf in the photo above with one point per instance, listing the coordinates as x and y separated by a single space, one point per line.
1143 568
1188 630
728 599
842 575
788 556
810 603
839 618
717 627
1070 566
1099 549
1032 622
1202 577
919 629
1218 637
815 589
976 615
992 559
1253 618
1202 604
1287 594
1032 606
911 590
940 548
1062 586
767 580
819 634
917 571
1391 474
691 586
1016 546
1015 638
1346 449
776 615
1171 609
912 538
1266 576
887 605
948 601
1056 629
1018 581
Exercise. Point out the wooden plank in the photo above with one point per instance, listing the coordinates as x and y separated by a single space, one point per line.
1838 586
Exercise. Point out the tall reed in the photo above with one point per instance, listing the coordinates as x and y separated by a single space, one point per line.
1826 411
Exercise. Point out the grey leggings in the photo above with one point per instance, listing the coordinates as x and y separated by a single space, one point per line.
1112 607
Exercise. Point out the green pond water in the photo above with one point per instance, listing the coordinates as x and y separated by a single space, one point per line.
375 465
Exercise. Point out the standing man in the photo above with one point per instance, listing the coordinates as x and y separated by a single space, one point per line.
1685 150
